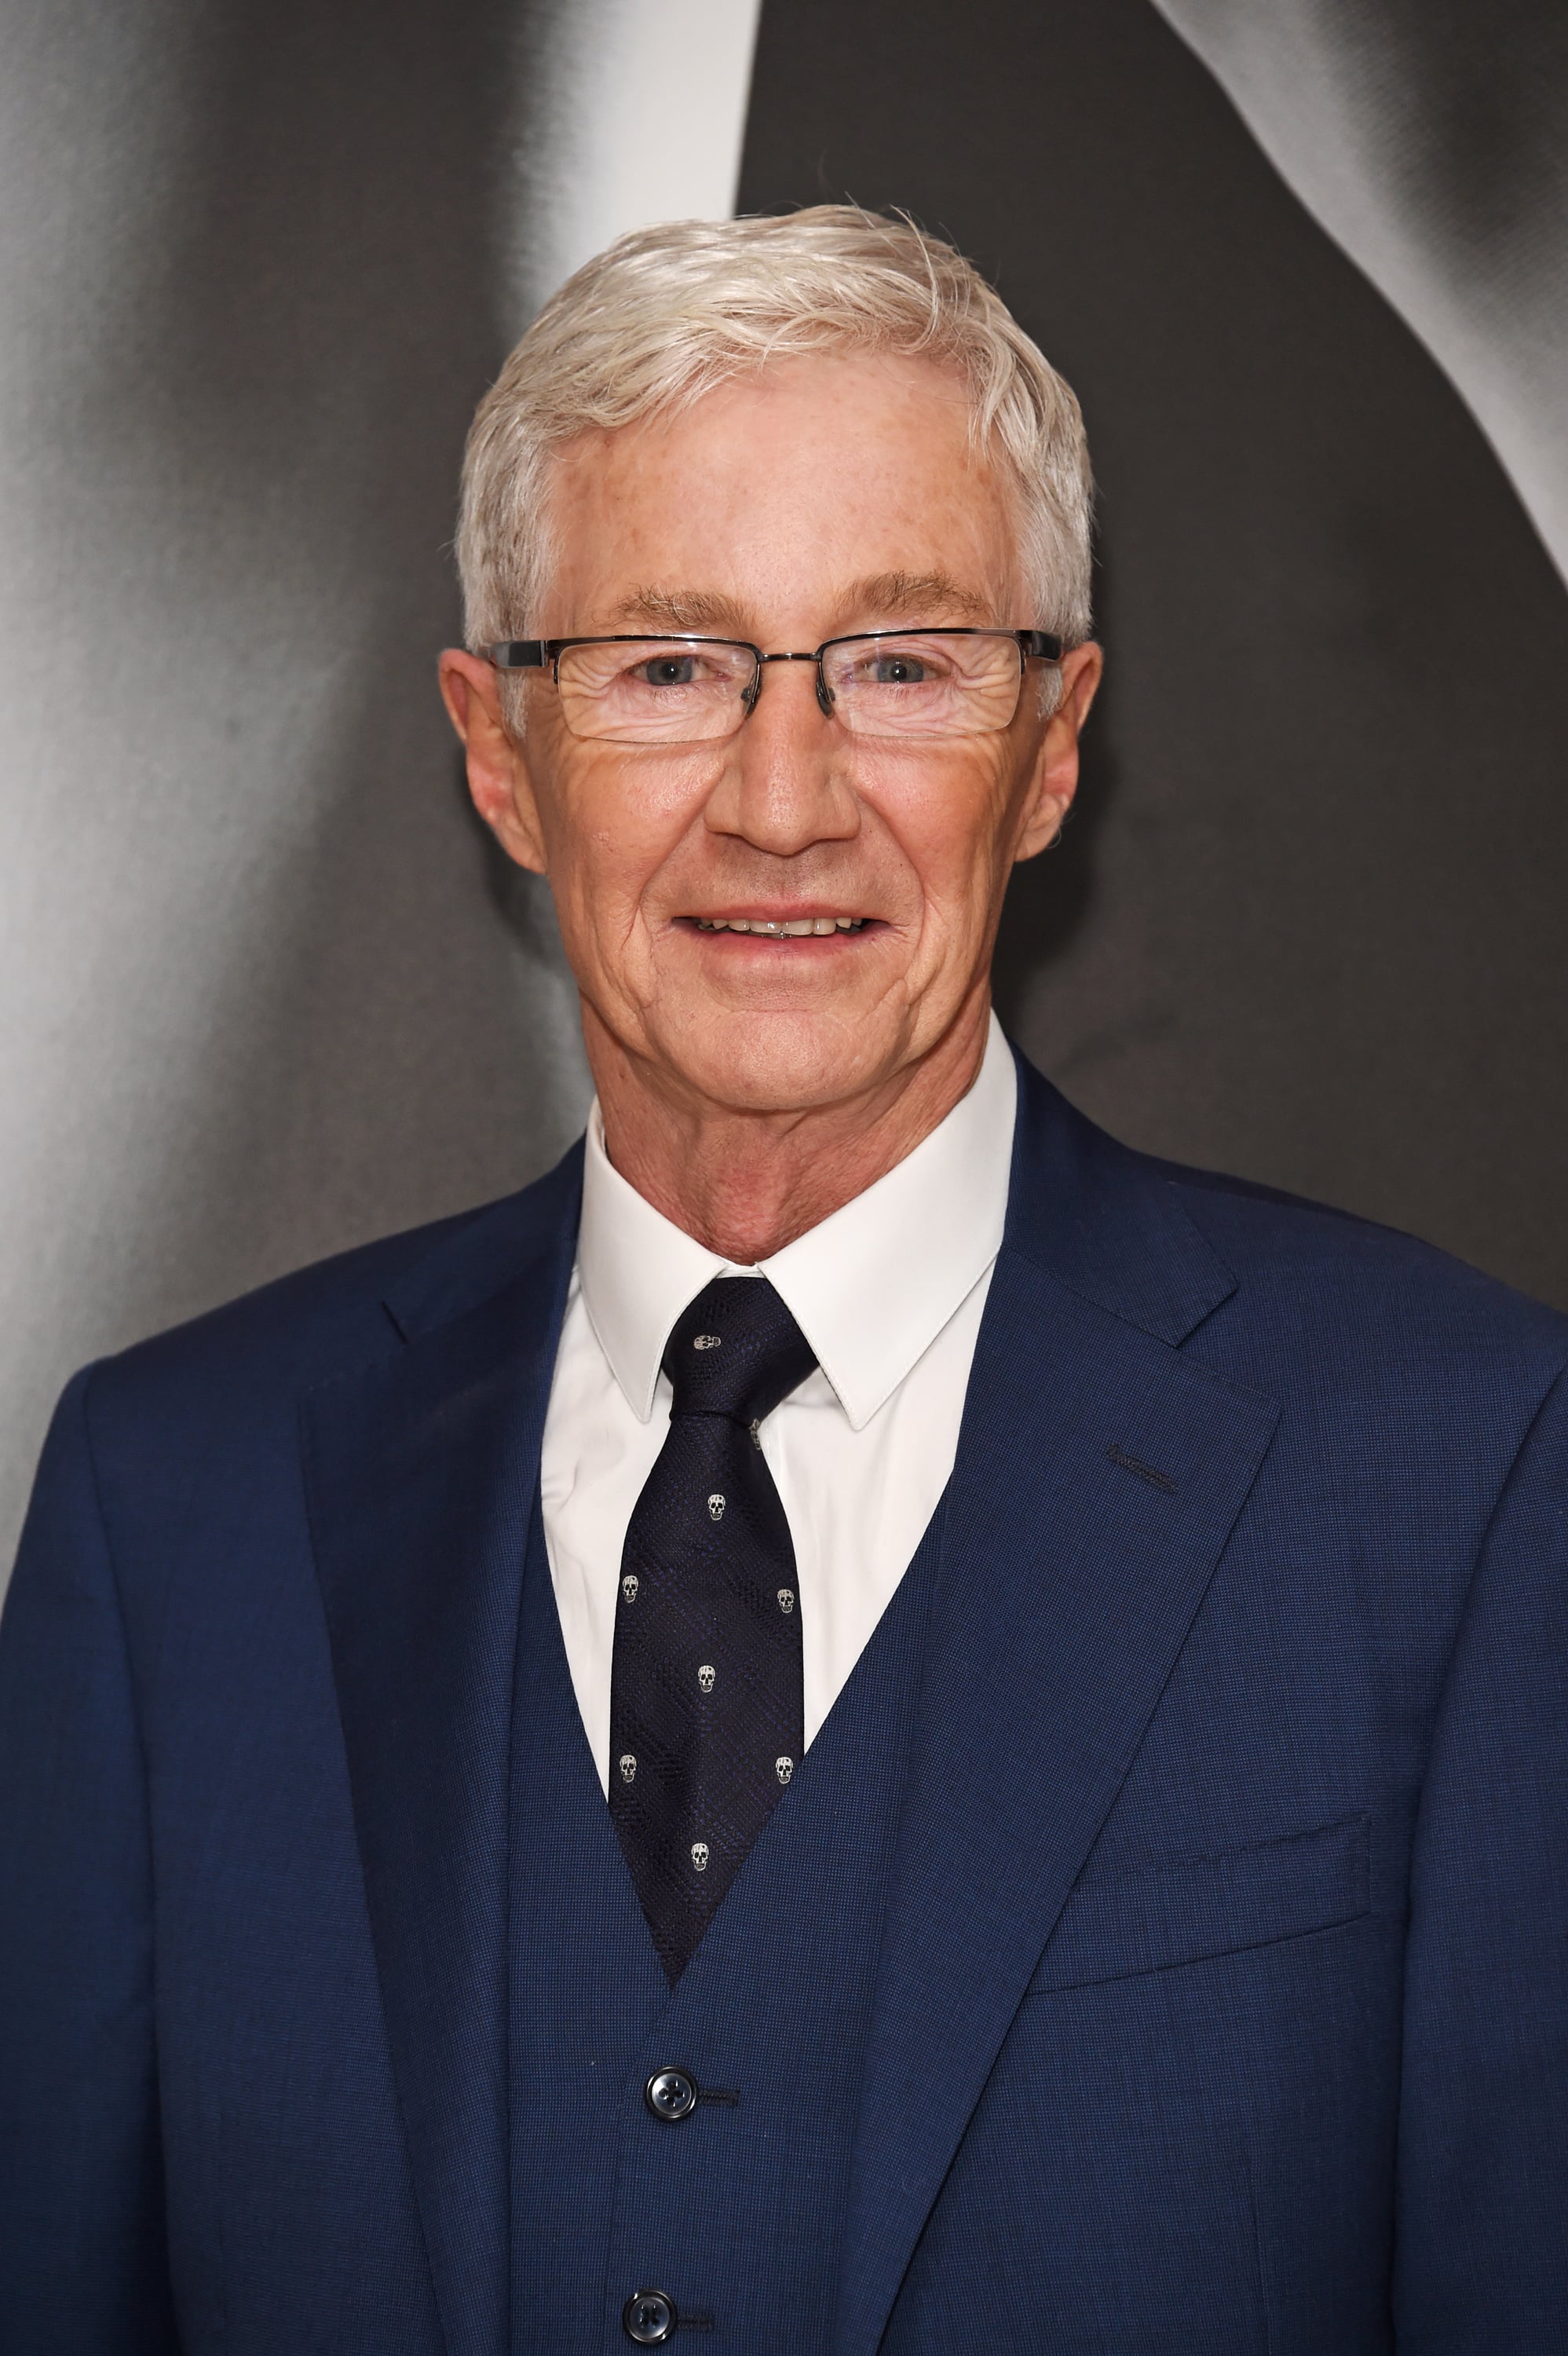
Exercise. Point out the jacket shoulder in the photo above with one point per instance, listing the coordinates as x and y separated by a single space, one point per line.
1266 1233
1386 1337
1285 1292
346 1311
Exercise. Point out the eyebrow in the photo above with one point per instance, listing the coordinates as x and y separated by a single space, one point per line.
916 596
681 611
892 597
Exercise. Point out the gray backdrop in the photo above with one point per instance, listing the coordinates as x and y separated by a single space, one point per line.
1307 923
267 993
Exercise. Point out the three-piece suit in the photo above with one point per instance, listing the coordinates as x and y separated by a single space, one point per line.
1163 1946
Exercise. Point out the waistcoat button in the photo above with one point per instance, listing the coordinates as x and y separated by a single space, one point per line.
648 2318
671 2094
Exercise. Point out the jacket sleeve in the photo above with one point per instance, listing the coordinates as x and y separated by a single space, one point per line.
1482 2235
82 2246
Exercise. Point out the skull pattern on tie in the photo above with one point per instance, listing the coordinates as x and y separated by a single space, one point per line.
706 1694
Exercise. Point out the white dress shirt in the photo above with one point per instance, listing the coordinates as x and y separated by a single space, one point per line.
888 1292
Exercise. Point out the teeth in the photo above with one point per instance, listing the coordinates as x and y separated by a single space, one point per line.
795 929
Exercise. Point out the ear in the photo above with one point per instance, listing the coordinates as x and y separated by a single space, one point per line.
1055 778
498 777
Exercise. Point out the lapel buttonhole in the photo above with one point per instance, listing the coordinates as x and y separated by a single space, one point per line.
1142 1472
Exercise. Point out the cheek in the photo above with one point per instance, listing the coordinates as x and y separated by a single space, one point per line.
612 827
949 827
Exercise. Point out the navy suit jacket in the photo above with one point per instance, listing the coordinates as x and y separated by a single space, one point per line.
1216 1954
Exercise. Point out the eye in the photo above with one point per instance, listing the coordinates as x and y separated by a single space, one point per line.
904 666
898 670
667 670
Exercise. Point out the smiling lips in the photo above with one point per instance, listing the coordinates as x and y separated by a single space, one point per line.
795 928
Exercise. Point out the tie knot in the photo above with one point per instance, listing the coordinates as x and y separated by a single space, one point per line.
736 1351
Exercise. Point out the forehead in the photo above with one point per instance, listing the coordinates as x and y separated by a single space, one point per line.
775 493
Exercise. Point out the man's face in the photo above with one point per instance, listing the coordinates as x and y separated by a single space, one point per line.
823 496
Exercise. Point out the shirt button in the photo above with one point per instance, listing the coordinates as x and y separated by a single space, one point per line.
648 2318
671 2094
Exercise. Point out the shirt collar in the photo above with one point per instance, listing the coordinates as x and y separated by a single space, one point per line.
871 1287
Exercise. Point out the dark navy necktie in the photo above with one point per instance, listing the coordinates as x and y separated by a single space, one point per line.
705 1694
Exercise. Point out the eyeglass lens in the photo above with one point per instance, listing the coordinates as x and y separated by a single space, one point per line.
686 691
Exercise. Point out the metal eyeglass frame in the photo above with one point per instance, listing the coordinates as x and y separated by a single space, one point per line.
545 654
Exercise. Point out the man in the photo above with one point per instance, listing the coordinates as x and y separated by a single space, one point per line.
864 1719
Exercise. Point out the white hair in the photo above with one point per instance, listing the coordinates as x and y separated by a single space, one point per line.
664 315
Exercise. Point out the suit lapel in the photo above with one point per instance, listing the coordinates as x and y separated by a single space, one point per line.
420 1472
1099 1474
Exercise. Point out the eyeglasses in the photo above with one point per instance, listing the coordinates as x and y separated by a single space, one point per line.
682 690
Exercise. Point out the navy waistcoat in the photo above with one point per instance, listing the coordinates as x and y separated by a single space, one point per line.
735 2210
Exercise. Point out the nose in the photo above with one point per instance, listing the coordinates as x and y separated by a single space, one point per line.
786 785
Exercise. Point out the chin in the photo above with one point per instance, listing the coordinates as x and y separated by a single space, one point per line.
782 1063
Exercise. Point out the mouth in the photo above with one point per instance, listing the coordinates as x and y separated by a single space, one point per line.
783 929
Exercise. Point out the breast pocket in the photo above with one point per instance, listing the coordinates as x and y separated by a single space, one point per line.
1160 1915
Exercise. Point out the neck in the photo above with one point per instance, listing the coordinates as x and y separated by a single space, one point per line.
743 1184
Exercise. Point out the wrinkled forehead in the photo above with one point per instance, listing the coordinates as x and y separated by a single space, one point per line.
811 485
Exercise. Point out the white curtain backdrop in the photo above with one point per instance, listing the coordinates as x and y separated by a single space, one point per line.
631 114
